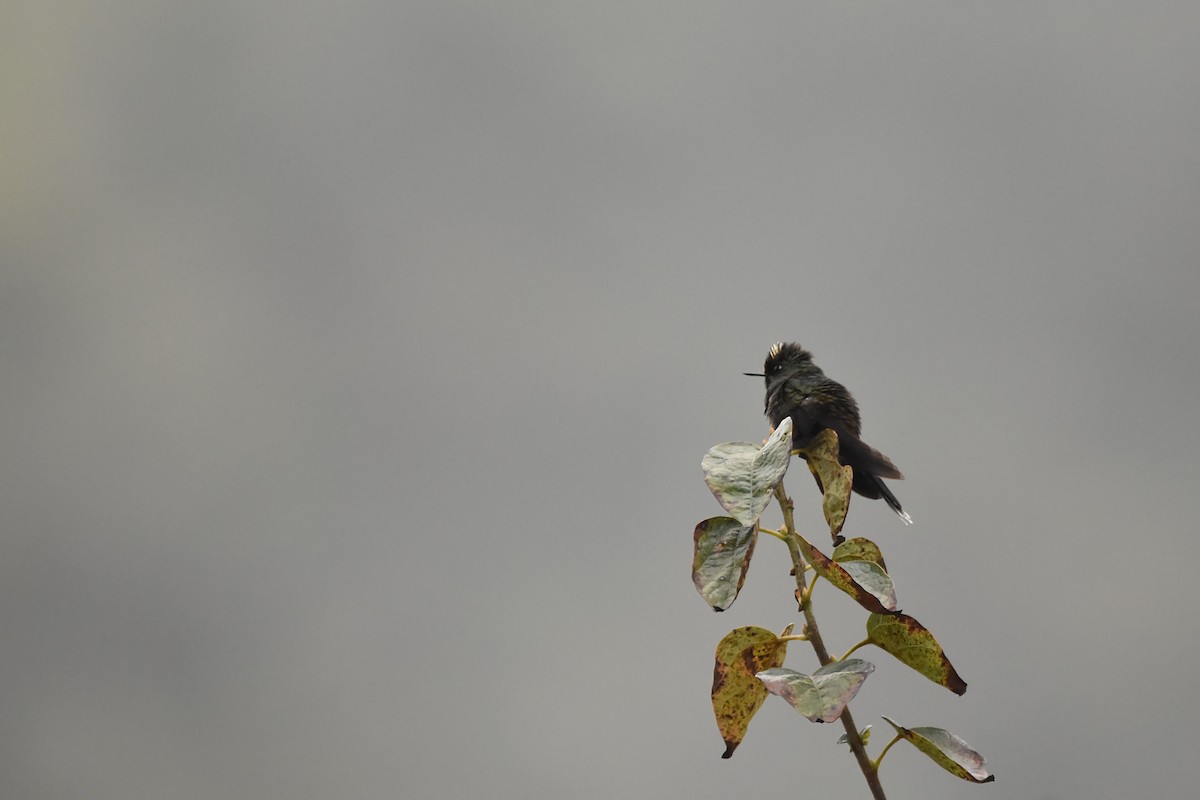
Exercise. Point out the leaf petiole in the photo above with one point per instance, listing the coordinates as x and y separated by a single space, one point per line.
780 536
883 752
852 649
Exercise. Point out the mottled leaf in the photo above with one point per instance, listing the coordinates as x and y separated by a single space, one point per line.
859 549
742 476
871 577
836 479
722 555
823 695
736 693
865 581
948 751
909 641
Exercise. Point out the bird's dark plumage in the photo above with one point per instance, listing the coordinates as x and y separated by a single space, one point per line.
797 388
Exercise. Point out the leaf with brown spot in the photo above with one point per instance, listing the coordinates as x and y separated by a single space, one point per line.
947 751
913 644
835 479
736 693
723 548
865 581
859 549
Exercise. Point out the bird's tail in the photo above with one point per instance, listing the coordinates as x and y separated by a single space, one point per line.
891 500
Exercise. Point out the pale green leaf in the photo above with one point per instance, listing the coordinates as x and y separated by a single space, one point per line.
742 475
947 751
723 548
823 695
875 593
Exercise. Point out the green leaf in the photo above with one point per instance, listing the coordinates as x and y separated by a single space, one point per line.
909 641
722 556
866 582
736 693
835 479
742 476
823 695
864 735
871 577
859 549
948 751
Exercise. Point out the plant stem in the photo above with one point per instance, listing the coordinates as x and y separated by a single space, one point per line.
855 741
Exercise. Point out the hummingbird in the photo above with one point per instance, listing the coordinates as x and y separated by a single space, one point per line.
798 388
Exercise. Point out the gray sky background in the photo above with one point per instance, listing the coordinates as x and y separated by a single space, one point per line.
359 358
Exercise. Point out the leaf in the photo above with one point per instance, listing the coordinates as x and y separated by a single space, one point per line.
836 480
859 549
736 693
866 582
864 735
909 641
823 695
870 576
722 556
742 476
948 751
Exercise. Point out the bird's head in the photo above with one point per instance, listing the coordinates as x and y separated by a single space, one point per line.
784 357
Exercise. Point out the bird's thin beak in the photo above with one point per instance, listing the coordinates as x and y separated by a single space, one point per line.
754 374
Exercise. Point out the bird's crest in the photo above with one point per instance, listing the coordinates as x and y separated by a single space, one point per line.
787 353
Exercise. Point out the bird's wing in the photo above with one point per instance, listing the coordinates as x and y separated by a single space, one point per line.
852 450
860 455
